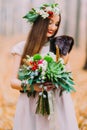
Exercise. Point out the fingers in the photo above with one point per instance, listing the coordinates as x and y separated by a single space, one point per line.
47 83
49 88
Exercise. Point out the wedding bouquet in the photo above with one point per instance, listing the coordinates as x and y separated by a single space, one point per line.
39 70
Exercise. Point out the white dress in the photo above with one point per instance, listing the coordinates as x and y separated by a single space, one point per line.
63 117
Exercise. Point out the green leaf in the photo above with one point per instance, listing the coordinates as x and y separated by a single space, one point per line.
31 88
30 81
25 89
56 85
48 58
68 87
64 86
37 57
31 16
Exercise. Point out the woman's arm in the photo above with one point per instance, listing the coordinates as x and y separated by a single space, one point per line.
15 82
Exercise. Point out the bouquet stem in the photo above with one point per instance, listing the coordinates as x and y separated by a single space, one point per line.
43 107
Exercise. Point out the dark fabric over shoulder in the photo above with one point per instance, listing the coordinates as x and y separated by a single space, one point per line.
65 44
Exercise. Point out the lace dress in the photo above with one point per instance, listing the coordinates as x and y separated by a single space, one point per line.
62 118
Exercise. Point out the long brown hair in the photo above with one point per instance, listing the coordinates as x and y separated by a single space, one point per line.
37 36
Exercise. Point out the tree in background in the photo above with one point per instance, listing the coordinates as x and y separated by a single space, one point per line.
75 21
85 66
67 14
77 31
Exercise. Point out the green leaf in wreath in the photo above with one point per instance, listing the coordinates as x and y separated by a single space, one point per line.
31 16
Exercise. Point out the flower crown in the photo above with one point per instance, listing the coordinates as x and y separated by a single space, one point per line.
45 11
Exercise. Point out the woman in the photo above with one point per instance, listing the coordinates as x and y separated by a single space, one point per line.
46 21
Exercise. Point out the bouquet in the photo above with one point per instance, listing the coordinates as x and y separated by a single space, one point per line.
39 70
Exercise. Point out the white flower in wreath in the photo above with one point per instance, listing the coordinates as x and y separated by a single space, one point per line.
45 15
56 11
49 9
42 13
38 11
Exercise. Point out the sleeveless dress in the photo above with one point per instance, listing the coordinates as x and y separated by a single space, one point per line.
62 118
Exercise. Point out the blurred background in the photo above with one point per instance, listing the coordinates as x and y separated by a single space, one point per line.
14 29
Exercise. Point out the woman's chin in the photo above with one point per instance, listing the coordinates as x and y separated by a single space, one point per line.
49 35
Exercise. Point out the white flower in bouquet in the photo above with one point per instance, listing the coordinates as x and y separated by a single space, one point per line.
40 86
44 96
43 65
40 66
30 59
43 73
45 87
42 77
62 60
40 93
52 55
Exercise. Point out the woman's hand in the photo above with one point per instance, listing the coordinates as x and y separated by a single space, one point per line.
49 86
37 88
